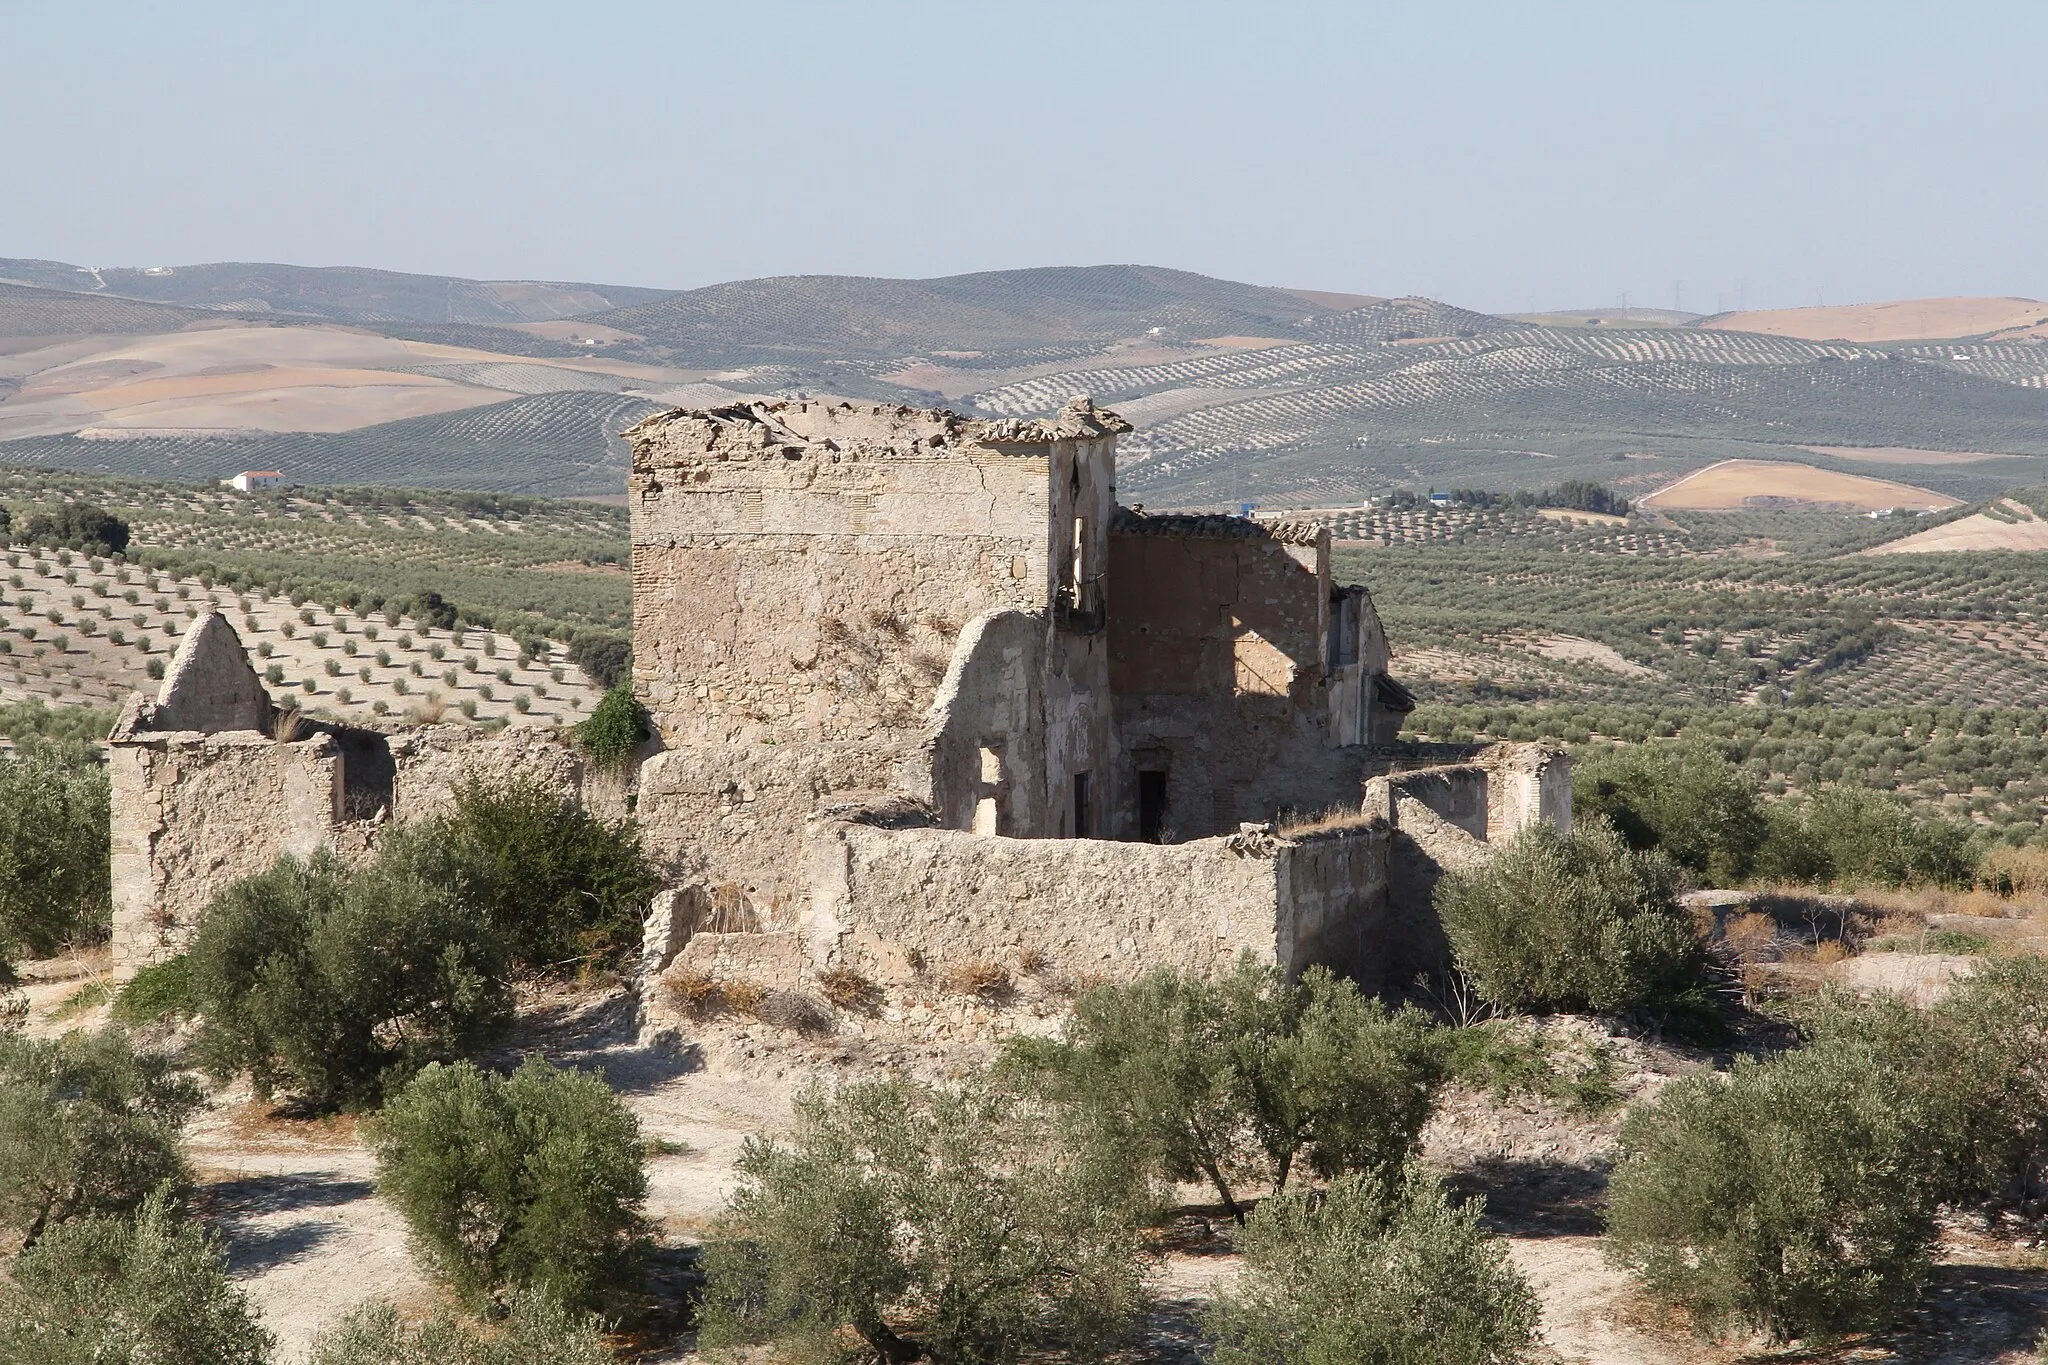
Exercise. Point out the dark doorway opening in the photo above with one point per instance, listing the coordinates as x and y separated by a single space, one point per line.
1084 808
1152 806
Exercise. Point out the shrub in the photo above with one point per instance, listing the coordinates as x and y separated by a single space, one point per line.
847 989
616 727
959 1217
1984 1059
527 1182
162 990
1794 1196
559 884
1857 836
1373 1270
1576 921
430 610
55 870
1687 801
109 1290
336 983
88 1125
1238 1079
605 659
77 526
537 1329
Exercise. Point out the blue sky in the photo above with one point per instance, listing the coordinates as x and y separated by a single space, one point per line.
1500 156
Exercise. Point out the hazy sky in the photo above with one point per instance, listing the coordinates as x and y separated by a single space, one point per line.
1495 155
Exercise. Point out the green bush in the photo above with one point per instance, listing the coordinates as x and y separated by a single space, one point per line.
106 1290
1577 922
88 1126
604 658
55 868
528 1182
1372 1271
1685 800
1856 836
1794 1196
160 991
1238 1079
1982 1055
335 983
617 726
558 884
961 1217
537 1331
77 526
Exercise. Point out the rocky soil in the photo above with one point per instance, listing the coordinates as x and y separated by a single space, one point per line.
308 1237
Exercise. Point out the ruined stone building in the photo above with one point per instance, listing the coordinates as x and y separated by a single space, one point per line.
923 691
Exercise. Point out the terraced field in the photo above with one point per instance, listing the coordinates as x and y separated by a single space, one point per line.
532 566
561 442
81 630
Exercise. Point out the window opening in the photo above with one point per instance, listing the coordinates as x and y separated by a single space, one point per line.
1084 808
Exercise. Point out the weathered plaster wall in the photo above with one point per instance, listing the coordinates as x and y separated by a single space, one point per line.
890 901
894 902
193 812
801 574
1217 634
430 762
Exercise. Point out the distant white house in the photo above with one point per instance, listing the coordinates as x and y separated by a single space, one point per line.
249 480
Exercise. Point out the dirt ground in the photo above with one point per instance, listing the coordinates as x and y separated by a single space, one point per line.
1978 532
1735 484
1903 320
308 1238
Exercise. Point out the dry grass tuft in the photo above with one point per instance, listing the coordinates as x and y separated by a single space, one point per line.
1325 821
979 977
694 992
742 996
1030 961
847 989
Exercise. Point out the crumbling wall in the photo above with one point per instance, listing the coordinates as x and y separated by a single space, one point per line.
1459 794
894 903
986 731
1334 906
193 812
801 572
1217 634
430 762
1527 783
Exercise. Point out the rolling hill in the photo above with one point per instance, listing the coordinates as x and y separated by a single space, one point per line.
1240 392
333 293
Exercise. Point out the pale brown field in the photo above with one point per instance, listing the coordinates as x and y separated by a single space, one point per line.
1904 454
1979 532
1735 484
1904 320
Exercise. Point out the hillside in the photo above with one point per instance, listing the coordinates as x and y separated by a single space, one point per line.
1239 392
334 293
1902 320
1007 311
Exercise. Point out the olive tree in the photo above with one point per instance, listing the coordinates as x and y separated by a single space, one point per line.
1576 921
149 1289
334 983
1243 1078
88 1125
1372 1271
1794 1196
532 1182
961 1225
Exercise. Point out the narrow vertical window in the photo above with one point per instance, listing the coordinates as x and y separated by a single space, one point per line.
1084 808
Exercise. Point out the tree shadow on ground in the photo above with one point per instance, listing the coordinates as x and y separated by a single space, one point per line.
602 1036
1536 1198
235 1206
1971 1314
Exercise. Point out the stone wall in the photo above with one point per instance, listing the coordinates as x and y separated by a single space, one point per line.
802 573
193 812
893 903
